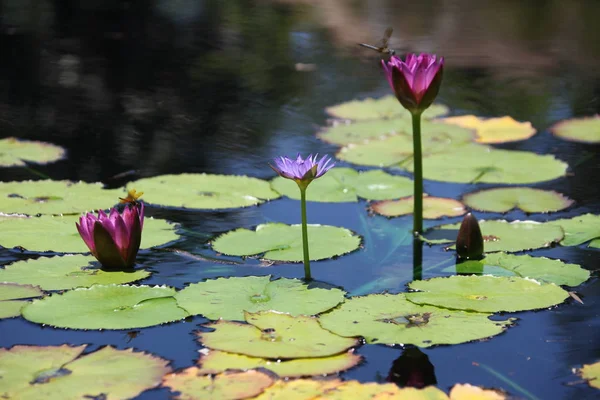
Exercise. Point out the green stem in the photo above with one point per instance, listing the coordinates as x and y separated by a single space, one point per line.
418 174
417 259
307 275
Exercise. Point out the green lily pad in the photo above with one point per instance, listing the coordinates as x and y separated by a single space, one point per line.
527 199
378 391
10 299
16 153
384 107
538 268
107 307
494 130
214 362
204 191
58 234
228 298
579 230
61 372
500 235
192 385
67 272
55 197
283 242
433 207
275 335
585 130
298 389
486 293
392 319
591 373
346 185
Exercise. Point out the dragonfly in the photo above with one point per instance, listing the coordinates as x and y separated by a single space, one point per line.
383 44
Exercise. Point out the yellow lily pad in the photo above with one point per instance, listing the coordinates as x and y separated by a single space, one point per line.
494 130
591 373
585 130
470 392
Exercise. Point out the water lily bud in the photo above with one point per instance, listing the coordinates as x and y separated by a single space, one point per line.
469 242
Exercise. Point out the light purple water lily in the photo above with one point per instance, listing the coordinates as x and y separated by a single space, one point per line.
415 81
302 171
114 239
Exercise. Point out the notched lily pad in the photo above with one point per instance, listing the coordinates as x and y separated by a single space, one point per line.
579 230
107 307
433 207
378 391
527 199
392 319
347 185
384 107
16 152
204 191
470 392
585 130
298 389
283 242
494 130
591 373
11 298
67 272
486 293
275 335
61 372
55 197
228 298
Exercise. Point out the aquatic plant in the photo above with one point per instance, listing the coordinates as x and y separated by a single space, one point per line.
469 241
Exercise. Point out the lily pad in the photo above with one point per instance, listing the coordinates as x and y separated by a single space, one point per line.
214 362
585 130
384 107
107 307
283 242
591 373
392 319
54 197
298 389
527 199
494 130
204 191
486 293
228 298
61 372
10 298
67 272
16 153
538 268
275 335
58 234
346 133
579 230
346 185
378 391
500 235
191 384
470 392
433 207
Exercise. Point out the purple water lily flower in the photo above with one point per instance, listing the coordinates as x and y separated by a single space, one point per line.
114 239
302 171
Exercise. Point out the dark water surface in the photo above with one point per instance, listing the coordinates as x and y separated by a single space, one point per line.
157 87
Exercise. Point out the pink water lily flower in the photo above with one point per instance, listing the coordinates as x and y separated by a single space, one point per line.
114 239
415 81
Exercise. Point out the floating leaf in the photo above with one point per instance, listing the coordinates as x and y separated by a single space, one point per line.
298 389
591 373
585 130
283 242
486 293
579 230
107 307
470 392
346 184
192 384
527 199
214 362
57 372
391 319
275 335
433 207
500 235
10 295
228 298
525 266
54 197
58 234
377 391
67 272
204 191
384 107
343 134
16 153
494 130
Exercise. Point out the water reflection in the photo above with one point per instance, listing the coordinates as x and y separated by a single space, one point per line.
412 369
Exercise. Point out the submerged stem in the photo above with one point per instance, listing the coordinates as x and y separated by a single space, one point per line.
307 275
418 174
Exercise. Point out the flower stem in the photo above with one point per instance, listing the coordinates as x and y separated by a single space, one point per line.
307 275
418 174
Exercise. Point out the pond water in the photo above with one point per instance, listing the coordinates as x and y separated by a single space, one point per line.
142 88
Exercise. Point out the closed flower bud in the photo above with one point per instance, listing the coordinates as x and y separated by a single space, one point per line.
469 242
